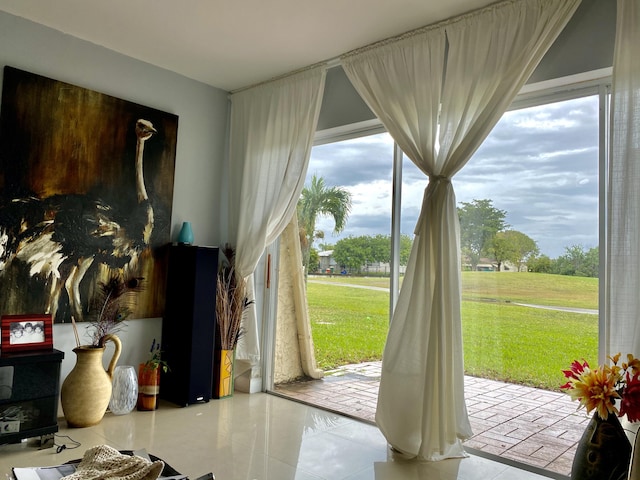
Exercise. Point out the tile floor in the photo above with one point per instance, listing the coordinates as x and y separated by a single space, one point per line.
261 437
520 424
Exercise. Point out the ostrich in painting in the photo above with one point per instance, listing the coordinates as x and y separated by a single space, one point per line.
60 237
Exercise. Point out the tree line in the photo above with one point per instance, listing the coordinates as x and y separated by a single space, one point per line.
355 253
484 234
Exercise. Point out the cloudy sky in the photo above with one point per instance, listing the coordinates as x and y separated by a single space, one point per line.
539 164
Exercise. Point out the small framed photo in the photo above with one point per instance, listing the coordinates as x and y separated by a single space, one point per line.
21 333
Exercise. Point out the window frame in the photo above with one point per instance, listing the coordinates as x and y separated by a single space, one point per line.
591 83
596 82
565 88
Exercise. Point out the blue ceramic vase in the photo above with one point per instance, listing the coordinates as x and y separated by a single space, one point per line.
185 237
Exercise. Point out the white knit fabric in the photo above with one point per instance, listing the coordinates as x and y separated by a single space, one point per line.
106 463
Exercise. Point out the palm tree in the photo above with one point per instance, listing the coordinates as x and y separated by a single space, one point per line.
316 200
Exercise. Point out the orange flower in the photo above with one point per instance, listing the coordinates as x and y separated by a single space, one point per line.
600 389
595 390
633 364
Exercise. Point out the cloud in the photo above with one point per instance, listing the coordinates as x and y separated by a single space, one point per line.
539 164
352 162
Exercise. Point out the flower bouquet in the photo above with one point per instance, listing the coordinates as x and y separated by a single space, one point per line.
601 388
604 450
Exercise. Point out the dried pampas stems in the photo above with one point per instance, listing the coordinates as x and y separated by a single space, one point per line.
231 301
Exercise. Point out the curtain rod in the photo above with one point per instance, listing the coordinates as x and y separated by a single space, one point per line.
280 77
337 60
433 26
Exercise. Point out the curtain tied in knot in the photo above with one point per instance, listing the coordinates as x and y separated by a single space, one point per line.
438 178
430 192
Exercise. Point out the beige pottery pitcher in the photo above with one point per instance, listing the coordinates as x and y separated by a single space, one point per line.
86 391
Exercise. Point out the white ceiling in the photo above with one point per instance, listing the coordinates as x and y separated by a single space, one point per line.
235 43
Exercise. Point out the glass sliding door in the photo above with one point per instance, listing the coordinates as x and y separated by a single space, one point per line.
530 204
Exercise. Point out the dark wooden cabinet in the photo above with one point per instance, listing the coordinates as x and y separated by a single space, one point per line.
189 324
29 394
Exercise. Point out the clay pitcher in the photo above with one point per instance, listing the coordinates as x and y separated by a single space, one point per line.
86 391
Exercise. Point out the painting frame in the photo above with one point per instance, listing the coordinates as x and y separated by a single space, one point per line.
26 332
86 195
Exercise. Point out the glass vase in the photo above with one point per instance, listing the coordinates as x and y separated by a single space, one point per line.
125 390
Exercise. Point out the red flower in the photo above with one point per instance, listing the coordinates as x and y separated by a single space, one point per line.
574 372
601 389
630 404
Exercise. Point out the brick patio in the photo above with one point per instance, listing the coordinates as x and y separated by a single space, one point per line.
523 424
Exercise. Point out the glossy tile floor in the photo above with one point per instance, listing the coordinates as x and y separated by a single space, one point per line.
258 436
521 424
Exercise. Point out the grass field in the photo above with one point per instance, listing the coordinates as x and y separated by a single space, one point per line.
502 340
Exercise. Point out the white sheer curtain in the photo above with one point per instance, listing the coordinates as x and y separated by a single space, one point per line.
623 254
439 92
272 130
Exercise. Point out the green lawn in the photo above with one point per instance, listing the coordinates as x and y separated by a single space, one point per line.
534 288
525 345
349 325
501 340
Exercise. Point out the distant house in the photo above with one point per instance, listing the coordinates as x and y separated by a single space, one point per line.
378 267
327 262
488 265
485 267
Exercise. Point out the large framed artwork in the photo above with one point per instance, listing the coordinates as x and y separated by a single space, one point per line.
86 188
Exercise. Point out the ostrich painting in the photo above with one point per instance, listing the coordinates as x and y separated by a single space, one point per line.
62 242
38 229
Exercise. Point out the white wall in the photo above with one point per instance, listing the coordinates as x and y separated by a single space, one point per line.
202 125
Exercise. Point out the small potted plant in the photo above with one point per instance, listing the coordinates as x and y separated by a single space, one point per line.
149 378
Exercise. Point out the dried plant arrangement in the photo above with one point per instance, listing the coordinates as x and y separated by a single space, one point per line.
231 301
112 305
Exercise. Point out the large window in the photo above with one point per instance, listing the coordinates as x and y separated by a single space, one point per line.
349 270
530 202
363 167
529 235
